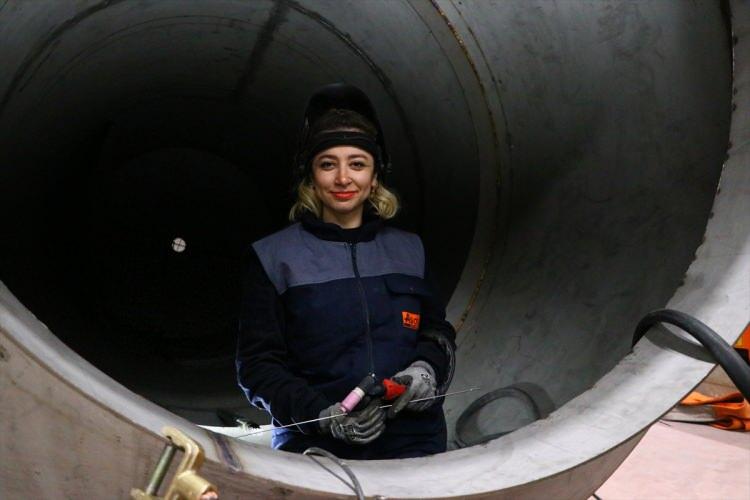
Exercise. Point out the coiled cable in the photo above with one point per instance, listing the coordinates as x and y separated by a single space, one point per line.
720 351
314 451
723 353
512 391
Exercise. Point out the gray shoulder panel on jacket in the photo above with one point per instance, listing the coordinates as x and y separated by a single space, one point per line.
294 257
393 251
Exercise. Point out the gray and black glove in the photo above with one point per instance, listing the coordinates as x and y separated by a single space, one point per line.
358 427
419 377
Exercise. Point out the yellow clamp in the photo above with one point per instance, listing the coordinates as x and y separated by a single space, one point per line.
186 483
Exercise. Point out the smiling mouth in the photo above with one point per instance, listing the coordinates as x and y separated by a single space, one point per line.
343 195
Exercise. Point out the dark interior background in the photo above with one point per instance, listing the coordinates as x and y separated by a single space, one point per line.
133 125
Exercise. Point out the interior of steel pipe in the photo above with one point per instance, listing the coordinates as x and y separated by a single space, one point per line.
560 161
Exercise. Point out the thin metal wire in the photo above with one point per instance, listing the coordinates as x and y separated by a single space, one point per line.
354 485
261 431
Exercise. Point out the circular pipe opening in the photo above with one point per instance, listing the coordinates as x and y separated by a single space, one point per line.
122 127
140 124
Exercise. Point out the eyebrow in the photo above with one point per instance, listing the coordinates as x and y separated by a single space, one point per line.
356 155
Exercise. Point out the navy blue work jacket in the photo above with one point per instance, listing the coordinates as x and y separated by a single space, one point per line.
324 306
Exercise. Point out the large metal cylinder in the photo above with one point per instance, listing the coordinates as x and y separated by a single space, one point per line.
559 159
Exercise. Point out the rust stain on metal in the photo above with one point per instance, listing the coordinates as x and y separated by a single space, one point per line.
473 66
496 143
282 492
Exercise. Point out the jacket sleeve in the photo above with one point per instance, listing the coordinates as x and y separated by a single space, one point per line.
437 337
262 362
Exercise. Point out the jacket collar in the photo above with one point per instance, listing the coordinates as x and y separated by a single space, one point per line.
371 224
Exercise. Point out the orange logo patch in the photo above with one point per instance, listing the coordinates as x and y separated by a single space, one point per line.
410 320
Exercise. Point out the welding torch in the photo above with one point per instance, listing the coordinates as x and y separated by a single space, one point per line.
359 397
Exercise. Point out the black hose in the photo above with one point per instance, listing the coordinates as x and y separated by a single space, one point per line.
723 353
511 391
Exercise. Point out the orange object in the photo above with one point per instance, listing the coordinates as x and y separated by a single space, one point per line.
743 344
410 320
744 340
731 410
392 389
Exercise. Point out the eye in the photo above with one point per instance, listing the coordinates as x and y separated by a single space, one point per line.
326 165
359 164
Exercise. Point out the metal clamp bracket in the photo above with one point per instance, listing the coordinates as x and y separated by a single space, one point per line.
186 483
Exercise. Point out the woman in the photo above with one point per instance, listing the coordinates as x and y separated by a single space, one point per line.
338 295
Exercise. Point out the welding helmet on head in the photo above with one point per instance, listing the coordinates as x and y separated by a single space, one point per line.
340 96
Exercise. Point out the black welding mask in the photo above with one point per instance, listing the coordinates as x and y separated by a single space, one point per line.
340 96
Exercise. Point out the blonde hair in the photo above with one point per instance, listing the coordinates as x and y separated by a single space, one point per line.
383 201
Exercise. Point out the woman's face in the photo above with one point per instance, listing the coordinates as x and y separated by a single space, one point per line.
343 177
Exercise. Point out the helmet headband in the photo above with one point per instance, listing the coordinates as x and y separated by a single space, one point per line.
330 139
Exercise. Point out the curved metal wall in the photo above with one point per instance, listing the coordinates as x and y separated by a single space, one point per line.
560 161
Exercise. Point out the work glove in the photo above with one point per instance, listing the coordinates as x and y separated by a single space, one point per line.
419 379
358 427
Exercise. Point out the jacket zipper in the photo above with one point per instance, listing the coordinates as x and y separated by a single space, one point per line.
366 310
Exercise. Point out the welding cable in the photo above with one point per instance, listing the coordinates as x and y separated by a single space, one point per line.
723 353
314 451
510 391
450 356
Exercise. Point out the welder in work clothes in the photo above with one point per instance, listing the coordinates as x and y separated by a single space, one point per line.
338 295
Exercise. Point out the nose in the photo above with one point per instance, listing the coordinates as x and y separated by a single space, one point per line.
342 175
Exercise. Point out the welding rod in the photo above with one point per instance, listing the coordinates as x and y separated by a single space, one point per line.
261 431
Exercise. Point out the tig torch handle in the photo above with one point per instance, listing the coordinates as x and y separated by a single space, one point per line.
392 389
388 391
353 398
